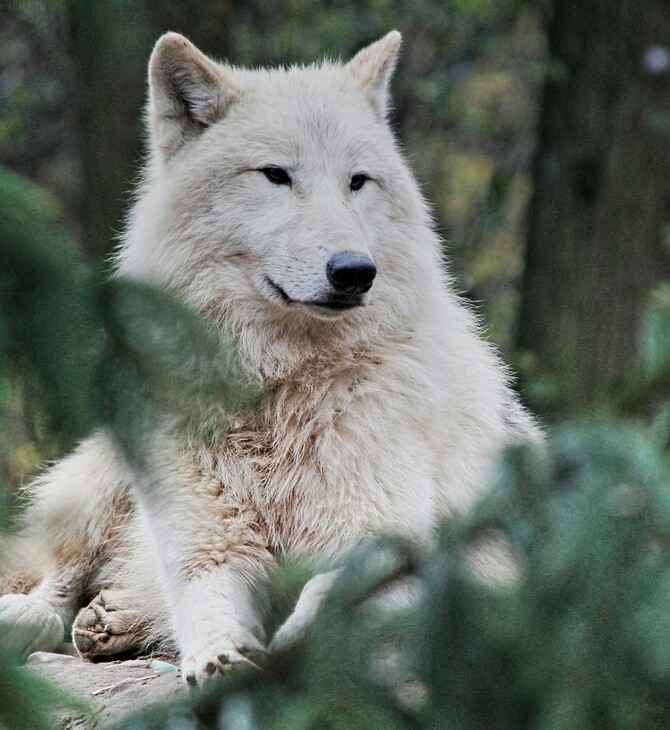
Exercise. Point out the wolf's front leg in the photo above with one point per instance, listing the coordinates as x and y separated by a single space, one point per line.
212 556
220 626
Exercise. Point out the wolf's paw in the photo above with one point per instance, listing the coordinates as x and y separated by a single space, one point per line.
28 624
109 625
235 650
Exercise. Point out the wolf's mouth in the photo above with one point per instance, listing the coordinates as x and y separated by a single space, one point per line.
339 303
278 290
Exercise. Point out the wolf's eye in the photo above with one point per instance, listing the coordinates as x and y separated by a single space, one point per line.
357 181
276 175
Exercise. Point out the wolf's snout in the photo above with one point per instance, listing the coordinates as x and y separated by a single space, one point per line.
350 272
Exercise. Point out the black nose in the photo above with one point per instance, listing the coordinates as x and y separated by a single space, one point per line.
350 272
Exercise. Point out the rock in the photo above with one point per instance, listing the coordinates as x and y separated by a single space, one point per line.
113 690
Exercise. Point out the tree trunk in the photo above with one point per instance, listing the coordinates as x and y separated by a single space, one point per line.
601 204
109 44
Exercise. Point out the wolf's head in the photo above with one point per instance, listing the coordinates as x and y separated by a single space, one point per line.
276 200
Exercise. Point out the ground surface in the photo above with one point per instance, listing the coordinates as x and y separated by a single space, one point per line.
112 689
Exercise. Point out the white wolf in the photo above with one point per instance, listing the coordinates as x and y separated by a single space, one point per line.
277 203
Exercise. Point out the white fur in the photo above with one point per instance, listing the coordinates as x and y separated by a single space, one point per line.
29 624
381 418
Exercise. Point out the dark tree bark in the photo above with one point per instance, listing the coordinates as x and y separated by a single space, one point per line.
601 204
108 45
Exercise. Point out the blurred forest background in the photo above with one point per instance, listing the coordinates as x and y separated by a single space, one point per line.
541 134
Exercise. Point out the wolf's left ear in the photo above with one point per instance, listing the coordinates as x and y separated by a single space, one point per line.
373 67
187 93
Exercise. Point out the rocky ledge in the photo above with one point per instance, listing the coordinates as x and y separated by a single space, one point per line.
112 690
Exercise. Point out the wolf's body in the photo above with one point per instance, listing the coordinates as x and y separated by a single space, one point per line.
384 409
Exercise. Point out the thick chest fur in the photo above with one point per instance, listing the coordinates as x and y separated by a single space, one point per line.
326 463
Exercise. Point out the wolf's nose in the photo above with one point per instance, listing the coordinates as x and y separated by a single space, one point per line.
350 272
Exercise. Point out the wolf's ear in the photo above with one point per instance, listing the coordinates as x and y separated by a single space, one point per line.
187 93
373 67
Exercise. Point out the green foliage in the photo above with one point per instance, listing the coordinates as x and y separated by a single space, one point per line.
46 298
27 701
578 641
97 350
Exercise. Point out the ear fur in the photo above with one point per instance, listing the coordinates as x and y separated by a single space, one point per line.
373 67
187 93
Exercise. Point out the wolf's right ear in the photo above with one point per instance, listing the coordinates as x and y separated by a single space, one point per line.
187 93
373 67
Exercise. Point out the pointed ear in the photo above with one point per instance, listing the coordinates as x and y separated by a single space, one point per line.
373 67
187 93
